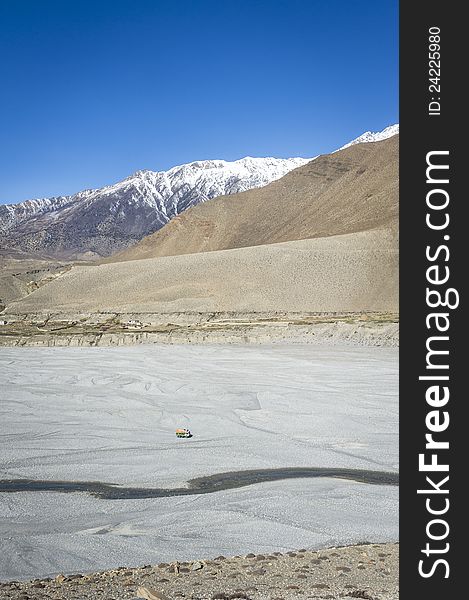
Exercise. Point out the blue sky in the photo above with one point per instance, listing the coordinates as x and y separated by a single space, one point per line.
95 90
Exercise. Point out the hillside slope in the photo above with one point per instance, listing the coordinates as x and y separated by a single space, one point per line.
354 272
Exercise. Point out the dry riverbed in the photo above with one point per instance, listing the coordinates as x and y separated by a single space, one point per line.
108 416
368 571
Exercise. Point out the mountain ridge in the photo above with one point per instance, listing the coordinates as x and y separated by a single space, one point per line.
130 209
99 222
373 136
348 191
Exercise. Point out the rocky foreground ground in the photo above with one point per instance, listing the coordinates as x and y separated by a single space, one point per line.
366 571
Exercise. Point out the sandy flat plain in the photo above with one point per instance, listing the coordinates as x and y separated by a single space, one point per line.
109 415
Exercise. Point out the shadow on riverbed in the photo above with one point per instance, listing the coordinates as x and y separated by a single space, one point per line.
200 485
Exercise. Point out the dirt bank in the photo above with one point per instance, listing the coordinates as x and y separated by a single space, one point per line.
365 571
113 329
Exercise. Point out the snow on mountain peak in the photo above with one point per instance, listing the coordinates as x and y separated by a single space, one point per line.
373 136
110 218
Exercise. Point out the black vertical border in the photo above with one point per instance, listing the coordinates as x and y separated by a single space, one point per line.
421 133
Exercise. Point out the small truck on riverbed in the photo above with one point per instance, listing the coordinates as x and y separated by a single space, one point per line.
183 433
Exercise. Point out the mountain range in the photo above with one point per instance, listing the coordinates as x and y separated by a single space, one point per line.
323 238
98 223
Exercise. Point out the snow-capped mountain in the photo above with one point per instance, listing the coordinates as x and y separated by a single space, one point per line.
373 136
106 220
14 214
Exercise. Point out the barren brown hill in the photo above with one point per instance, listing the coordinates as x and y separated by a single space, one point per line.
348 273
355 189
